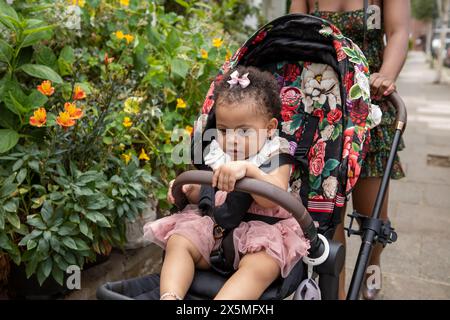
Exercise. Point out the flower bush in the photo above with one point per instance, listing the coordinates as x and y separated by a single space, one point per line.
93 96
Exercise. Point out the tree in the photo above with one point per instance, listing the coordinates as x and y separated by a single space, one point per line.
443 7
424 10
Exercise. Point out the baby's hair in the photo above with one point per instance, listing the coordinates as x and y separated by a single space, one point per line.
263 89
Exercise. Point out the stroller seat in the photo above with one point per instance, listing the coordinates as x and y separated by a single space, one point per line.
284 47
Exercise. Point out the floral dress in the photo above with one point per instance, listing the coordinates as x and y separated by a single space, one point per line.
351 24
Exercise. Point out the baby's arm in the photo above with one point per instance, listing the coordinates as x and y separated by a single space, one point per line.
226 176
192 192
279 177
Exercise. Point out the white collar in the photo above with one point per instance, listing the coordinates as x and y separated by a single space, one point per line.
216 156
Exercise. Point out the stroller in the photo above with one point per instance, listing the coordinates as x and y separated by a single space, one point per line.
326 117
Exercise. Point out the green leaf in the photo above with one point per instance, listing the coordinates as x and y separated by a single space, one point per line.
69 243
173 40
47 211
7 189
5 242
66 60
42 72
81 245
35 35
350 52
179 67
21 175
13 218
315 181
31 266
58 275
11 206
36 221
31 244
6 51
355 92
34 165
182 3
16 166
331 164
43 247
67 54
84 228
36 99
8 139
44 55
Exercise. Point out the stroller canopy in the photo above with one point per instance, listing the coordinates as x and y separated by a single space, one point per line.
324 89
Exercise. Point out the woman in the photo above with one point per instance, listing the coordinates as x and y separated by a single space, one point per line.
390 18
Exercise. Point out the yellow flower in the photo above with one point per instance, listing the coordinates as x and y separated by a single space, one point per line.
129 38
180 103
126 157
79 3
217 42
189 129
143 155
127 122
119 34
204 53
125 3
228 55
131 105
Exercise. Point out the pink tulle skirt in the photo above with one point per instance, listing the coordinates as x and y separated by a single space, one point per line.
283 241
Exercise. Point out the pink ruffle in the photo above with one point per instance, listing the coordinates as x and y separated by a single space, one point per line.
284 241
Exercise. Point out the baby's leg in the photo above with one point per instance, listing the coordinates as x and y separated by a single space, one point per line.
179 265
255 273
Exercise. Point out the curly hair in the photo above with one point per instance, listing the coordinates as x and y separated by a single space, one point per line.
263 89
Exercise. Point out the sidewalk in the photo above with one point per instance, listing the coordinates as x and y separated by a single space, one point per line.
417 266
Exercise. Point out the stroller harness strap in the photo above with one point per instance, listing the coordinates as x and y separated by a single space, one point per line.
231 213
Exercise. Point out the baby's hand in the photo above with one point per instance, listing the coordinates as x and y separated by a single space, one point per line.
226 175
192 192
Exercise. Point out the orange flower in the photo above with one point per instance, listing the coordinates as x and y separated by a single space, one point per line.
74 112
64 120
78 93
39 117
46 88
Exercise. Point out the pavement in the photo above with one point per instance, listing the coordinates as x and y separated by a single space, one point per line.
417 266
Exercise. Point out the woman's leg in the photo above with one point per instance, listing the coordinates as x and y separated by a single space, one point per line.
339 235
364 195
179 265
255 273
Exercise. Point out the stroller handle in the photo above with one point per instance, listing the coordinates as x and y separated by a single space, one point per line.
250 185
398 103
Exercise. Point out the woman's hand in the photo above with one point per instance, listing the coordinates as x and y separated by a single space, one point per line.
226 175
381 85
192 192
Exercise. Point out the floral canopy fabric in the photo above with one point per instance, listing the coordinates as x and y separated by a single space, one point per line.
326 112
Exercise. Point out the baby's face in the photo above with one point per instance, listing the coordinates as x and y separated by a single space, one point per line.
241 130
